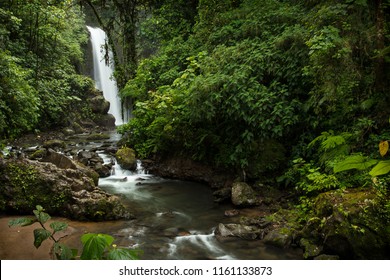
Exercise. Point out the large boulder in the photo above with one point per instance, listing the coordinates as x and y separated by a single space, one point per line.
352 225
107 121
99 105
68 192
243 195
126 158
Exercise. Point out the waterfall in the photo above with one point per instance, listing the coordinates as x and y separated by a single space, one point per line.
103 75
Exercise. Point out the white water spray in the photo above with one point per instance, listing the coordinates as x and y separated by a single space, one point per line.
103 75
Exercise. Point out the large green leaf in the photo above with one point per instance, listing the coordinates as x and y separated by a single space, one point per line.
354 162
95 245
383 167
40 235
21 222
58 226
123 254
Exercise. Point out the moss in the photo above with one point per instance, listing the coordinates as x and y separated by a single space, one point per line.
98 136
38 154
126 158
55 143
24 189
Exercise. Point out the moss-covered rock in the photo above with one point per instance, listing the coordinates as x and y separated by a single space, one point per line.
126 158
68 192
311 249
353 224
98 136
280 237
54 144
243 195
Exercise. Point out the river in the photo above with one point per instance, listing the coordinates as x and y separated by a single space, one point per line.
173 219
176 219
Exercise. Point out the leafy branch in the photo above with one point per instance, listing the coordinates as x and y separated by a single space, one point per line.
96 246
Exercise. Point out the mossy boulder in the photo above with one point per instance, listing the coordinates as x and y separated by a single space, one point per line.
280 237
99 105
243 195
67 192
354 224
98 136
54 144
126 158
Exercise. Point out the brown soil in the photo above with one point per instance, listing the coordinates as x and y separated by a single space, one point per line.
17 243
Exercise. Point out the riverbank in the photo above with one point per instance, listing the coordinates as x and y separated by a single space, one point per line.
171 215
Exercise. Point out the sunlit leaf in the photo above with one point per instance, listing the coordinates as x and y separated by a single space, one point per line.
21 222
383 148
40 235
354 162
383 167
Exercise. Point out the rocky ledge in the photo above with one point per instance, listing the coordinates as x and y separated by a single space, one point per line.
64 187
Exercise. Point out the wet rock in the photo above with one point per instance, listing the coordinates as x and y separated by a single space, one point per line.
106 121
99 105
281 237
260 222
98 136
69 131
237 230
126 158
95 162
54 144
243 195
232 213
222 195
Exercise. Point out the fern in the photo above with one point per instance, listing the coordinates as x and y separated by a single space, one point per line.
331 146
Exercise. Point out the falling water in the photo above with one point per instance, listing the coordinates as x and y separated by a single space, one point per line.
103 75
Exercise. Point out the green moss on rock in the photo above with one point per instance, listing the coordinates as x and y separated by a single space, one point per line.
126 158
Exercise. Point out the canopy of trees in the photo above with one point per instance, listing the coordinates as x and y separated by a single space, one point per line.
240 84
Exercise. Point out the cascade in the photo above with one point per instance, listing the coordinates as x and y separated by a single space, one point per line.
103 75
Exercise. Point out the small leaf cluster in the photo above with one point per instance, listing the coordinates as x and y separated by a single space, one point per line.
96 246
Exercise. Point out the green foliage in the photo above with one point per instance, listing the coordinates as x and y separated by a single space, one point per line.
41 51
358 162
225 104
308 179
96 246
383 167
18 99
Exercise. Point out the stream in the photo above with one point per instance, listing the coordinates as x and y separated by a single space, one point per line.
174 219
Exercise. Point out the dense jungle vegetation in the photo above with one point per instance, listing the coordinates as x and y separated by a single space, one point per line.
283 91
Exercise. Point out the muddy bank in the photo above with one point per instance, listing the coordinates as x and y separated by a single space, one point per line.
17 243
